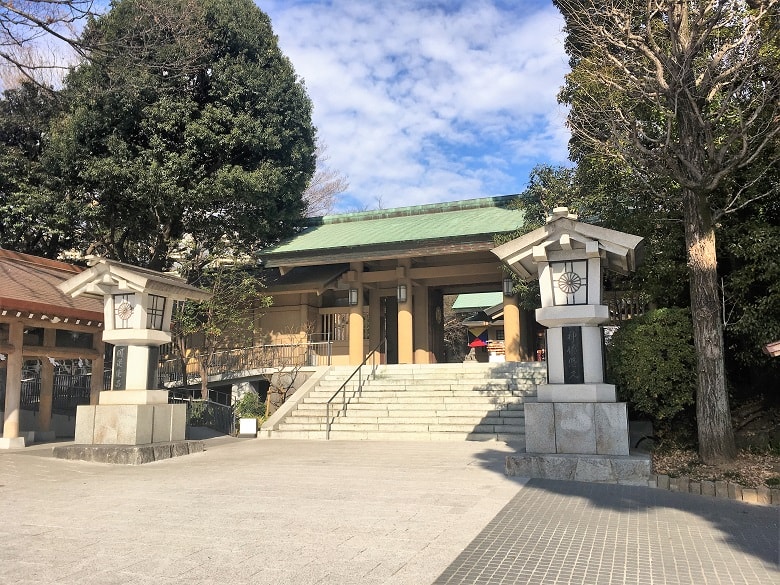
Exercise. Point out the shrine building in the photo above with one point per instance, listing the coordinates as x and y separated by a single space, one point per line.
357 279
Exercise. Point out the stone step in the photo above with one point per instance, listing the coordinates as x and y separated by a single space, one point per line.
421 418
435 399
413 406
427 384
396 436
405 427
408 413
413 396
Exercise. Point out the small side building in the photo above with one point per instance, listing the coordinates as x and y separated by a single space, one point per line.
47 340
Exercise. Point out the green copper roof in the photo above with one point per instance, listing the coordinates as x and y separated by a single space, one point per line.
421 223
477 301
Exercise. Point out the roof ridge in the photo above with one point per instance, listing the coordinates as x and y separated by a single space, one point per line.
425 209
39 261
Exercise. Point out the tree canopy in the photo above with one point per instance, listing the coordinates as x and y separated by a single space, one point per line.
164 133
33 218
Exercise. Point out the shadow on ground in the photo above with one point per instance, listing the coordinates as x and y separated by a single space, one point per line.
751 529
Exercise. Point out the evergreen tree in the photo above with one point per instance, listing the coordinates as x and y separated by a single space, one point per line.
189 120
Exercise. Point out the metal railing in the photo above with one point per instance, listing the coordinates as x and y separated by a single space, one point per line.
30 398
310 353
68 391
215 413
375 353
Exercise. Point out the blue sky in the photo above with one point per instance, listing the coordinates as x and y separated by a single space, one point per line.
422 102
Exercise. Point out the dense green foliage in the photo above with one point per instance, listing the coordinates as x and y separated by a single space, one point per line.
249 406
187 119
33 218
652 362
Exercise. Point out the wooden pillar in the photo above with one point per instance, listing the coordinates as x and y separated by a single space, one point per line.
13 382
512 349
47 383
405 319
356 348
422 345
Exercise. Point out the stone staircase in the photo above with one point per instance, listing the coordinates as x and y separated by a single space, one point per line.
449 402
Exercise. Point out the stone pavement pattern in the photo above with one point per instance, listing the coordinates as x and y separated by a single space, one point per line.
342 513
571 532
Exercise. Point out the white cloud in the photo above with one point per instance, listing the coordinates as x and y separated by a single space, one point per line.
420 102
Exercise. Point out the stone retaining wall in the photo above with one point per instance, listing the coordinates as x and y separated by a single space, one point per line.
718 489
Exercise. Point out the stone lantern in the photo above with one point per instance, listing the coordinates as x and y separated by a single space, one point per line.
576 411
137 306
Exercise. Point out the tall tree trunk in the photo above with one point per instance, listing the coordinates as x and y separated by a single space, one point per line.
204 376
716 436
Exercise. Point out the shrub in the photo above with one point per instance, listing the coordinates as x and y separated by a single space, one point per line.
651 360
199 414
249 406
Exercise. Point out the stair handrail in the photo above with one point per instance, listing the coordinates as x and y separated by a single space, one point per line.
343 388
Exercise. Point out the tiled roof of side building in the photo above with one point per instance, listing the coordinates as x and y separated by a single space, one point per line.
29 283
439 221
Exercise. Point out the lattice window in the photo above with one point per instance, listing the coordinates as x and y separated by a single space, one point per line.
155 312
334 326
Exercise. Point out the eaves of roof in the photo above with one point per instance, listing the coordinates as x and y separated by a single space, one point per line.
29 284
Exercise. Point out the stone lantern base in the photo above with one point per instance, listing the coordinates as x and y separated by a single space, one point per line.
131 417
593 428
624 469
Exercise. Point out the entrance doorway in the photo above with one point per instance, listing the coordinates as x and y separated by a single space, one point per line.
390 327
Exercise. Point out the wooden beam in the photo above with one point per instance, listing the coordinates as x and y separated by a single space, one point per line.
62 353
82 327
458 272
492 269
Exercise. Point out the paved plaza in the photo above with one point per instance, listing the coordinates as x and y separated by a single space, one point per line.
299 512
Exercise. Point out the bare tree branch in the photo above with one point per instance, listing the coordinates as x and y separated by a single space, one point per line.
325 185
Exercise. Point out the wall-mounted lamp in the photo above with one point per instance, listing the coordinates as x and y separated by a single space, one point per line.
509 287
401 293
353 297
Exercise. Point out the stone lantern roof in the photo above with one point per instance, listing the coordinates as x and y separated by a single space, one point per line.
618 251
105 276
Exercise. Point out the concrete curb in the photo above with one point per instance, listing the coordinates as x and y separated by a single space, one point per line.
127 454
763 496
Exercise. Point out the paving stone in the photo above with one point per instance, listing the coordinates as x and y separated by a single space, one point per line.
750 495
351 513
764 495
619 534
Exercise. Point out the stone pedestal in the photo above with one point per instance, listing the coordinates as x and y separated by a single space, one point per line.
131 417
599 428
12 443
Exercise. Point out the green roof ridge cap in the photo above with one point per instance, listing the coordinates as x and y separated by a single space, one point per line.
427 208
